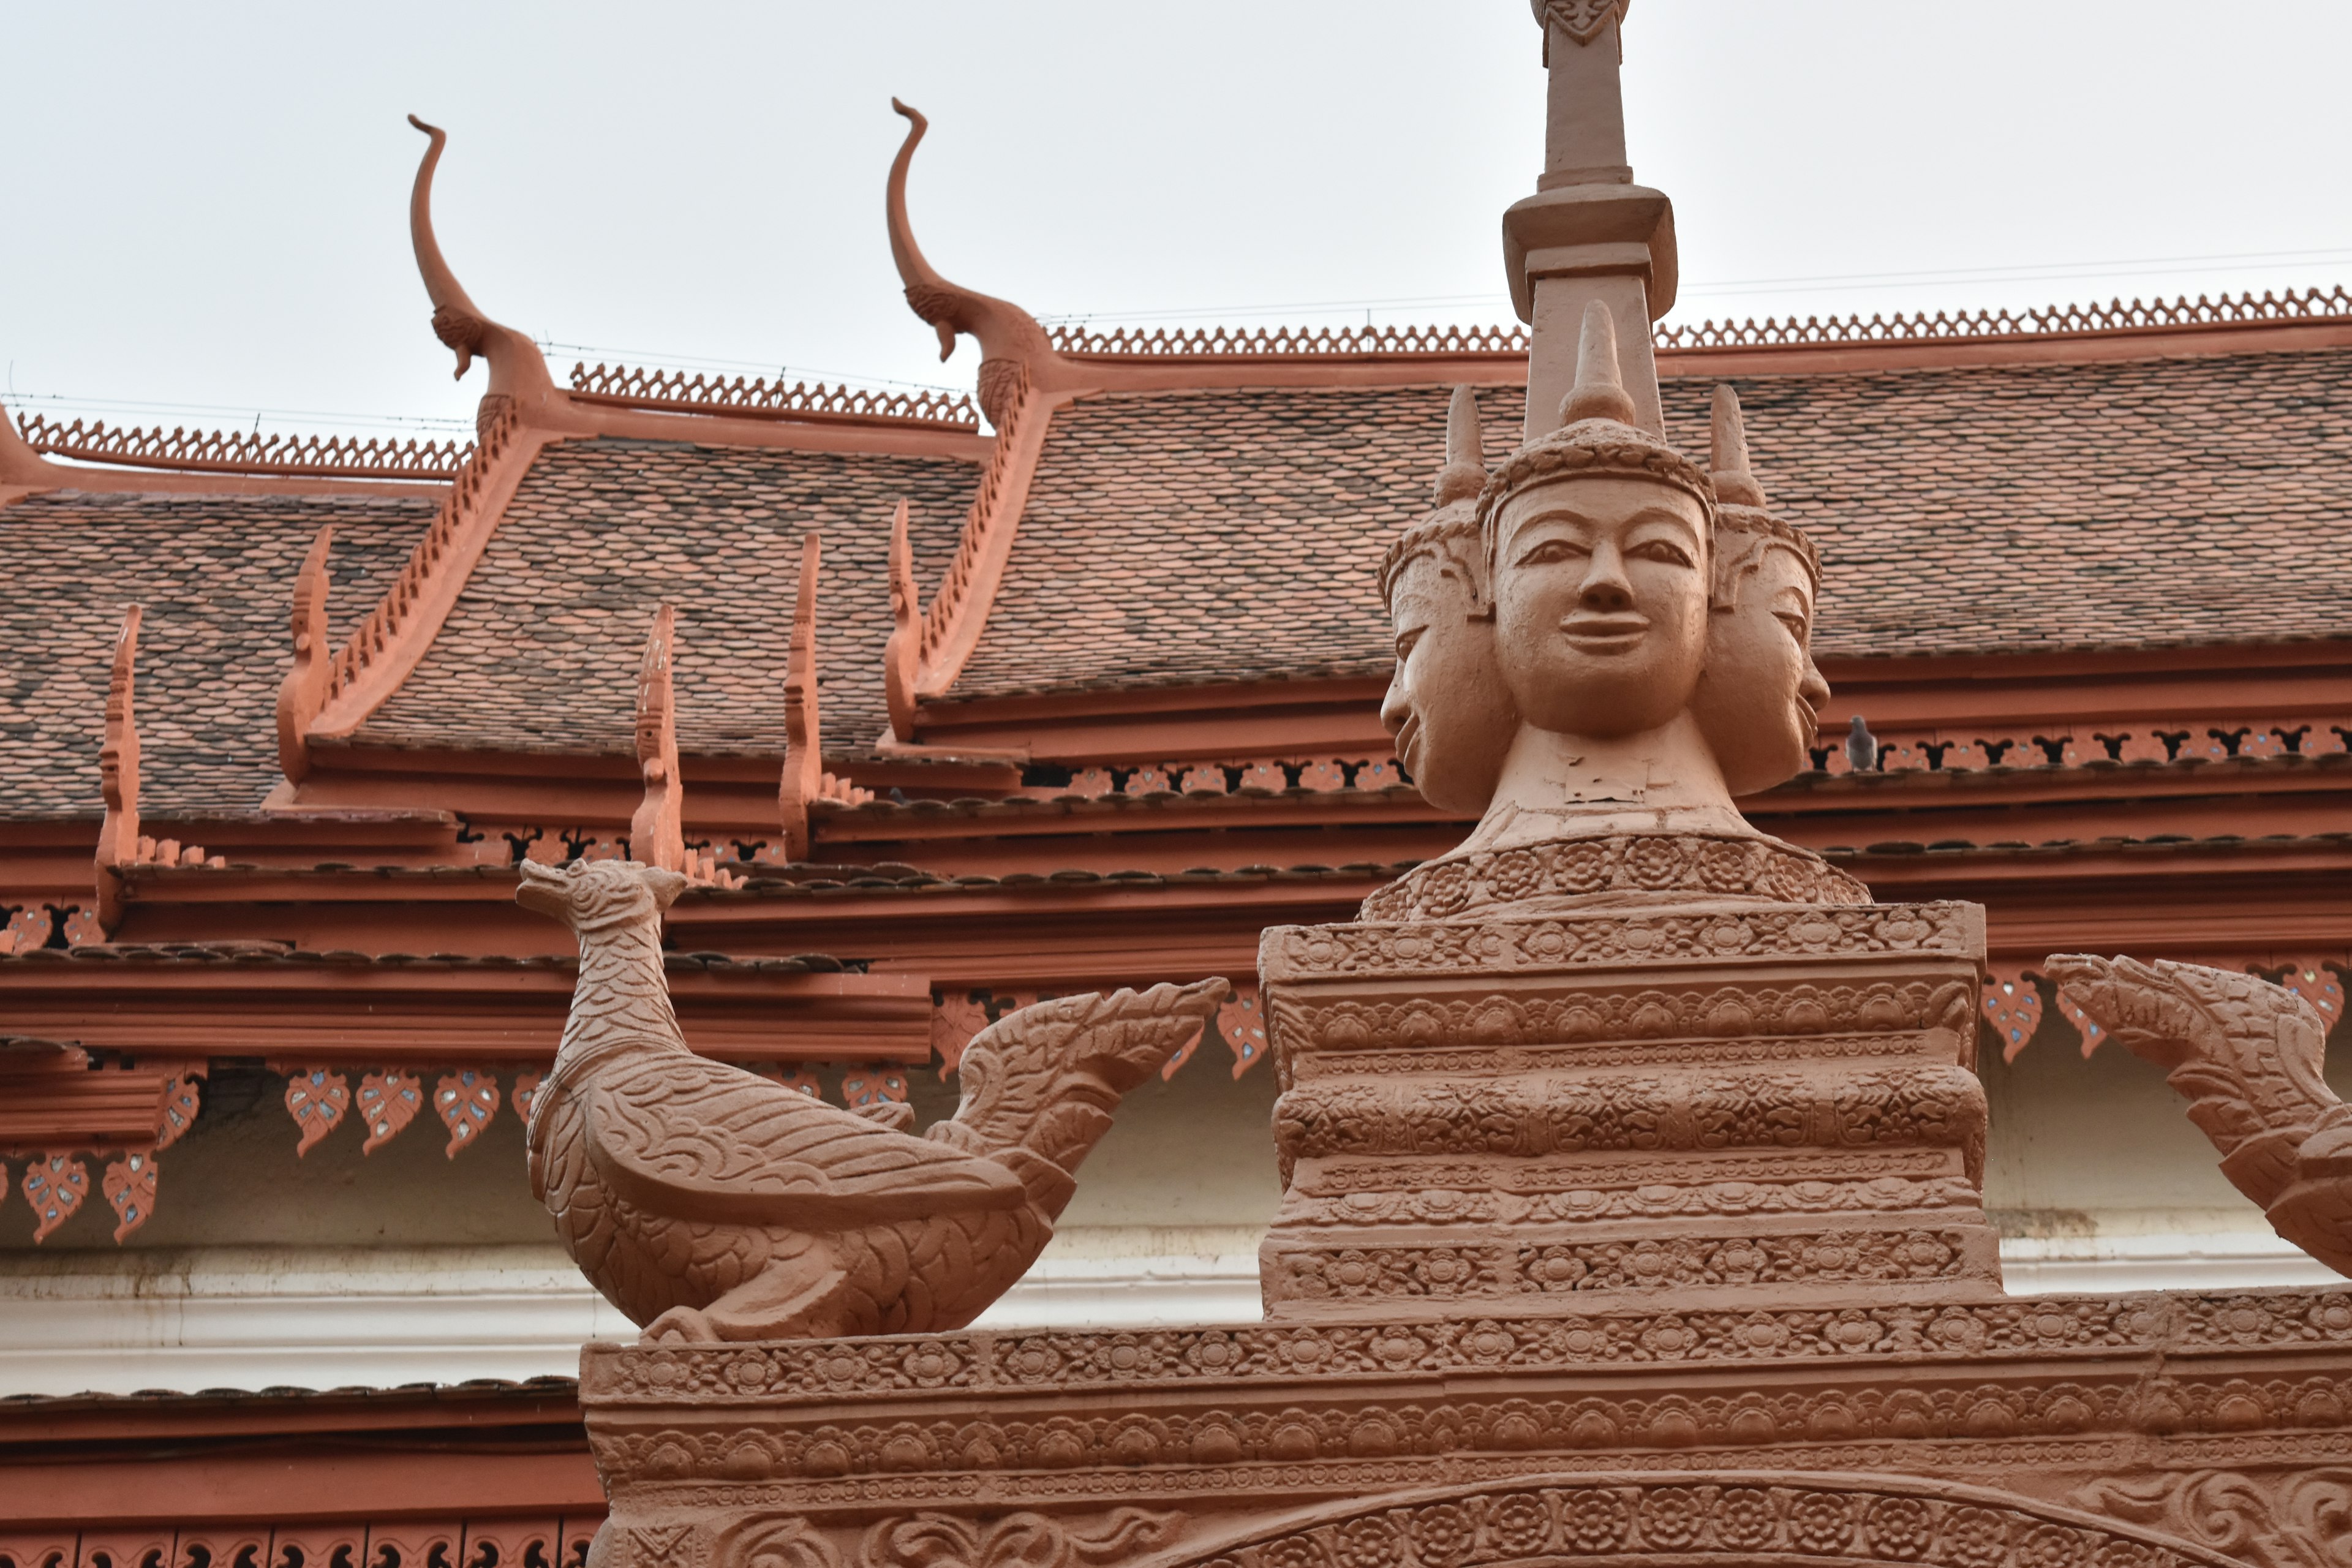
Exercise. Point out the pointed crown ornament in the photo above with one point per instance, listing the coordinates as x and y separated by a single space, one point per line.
1597 438
1451 529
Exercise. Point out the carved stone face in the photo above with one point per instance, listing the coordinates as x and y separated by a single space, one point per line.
1759 702
1446 704
1600 592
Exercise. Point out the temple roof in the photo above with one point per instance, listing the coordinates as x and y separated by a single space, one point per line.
215 573
540 652
1206 536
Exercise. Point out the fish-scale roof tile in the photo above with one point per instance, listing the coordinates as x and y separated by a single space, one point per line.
541 651
1229 535
216 573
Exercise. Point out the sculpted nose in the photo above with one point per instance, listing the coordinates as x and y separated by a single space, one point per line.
1605 586
1395 708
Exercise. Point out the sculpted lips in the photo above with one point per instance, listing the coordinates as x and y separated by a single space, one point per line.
1603 633
1408 735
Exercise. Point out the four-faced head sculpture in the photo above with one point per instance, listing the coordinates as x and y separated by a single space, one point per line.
1637 591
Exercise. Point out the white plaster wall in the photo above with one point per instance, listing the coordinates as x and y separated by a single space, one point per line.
262 1270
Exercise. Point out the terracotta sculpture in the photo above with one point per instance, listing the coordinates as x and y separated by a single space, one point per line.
1614 585
2247 1055
1759 696
708 1204
1452 721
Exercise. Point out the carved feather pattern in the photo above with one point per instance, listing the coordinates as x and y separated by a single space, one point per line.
709 1202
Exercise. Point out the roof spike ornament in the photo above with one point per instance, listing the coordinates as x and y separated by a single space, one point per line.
1734 483
1465 473
656 833
1600 391
304 691
118 772
902 654
1012 344
518 370
805 781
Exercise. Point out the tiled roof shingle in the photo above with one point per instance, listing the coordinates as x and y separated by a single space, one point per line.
1227 535
216 572
540 652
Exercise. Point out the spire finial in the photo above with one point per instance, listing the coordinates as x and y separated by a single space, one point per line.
1465 473
1599 392
1734 483
657 833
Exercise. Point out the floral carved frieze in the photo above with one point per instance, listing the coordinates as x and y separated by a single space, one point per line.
1724 1174
1745 1517
1442 1205
1306 952
1610 1019
2297 1519
1531 1117
1563 1264
1692 865
833 1371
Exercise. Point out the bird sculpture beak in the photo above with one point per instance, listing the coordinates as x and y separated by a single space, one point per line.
544 890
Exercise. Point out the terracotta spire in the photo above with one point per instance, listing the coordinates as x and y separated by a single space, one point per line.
21 468
518 370
1734 483
655 833
1465 473
902 656
304 691
1012 343
1600 391
804 782
1589 233
118 773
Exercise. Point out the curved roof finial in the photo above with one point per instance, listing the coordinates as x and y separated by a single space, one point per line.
657 836
517 367
304 691
1006 331
902 654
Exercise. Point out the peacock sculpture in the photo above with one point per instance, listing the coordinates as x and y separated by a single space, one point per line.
2247 1056
709 1204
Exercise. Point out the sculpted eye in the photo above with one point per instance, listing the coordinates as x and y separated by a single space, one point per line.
1407 641
1798 628
1549 550
1663 551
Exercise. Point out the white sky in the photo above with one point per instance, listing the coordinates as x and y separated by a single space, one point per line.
207 210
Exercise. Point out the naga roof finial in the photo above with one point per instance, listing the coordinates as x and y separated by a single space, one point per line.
902 656
656 833
1011 340
118 772
304 691
517 367
804 780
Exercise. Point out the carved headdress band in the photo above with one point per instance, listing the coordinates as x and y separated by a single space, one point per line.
1597 440
1452 529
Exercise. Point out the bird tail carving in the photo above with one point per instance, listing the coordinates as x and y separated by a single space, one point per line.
1040 1085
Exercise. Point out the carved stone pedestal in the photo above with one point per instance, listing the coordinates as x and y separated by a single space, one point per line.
1749 1104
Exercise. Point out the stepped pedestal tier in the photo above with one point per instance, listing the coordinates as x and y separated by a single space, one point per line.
1760 1105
